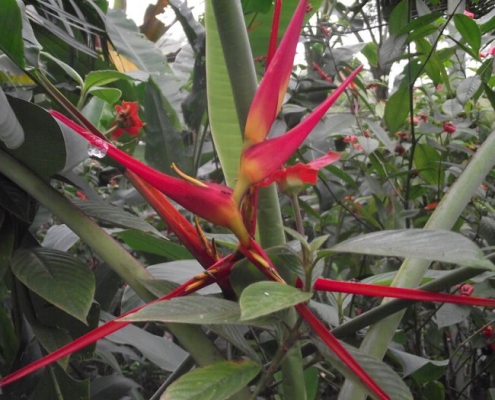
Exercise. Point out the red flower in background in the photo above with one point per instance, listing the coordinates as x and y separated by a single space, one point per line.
127 120
449 127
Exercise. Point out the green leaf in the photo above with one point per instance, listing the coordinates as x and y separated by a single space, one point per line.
218 381
427 161
370 51
224 124
435 245
467 88
381 373
263 298
398 18
111 387
114 216
102 78
164 145
451 314
190 310
469 31
160 351
129 42
11 41
391 49
422 369
108 95
142 241
397 109
420 22
58 277
66 67
56 380
43 149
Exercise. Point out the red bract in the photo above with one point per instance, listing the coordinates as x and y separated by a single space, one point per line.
270 94
127 120
293 178
211 202
261 160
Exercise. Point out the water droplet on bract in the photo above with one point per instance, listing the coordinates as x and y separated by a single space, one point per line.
96 151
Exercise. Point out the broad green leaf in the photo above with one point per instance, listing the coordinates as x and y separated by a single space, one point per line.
66 67
429 59
142 241
57 277
11 41
43 149
381 373
113 215
398 18
263 298
420 22
102 78
129 42
452 107
451 314
370 51
60 237
162 352
427 161
224 124
469 31
391 49
397 109
164 144
217 381
435 245
111 387
422 369
108 95
190 310
467 88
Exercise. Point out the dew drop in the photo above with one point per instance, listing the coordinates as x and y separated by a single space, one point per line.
98 151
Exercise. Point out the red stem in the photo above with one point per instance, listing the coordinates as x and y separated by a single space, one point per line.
366 289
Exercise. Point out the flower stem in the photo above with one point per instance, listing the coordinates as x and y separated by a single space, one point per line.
297 213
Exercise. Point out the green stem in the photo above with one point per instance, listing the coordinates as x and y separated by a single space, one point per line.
242 75
412 271
192 338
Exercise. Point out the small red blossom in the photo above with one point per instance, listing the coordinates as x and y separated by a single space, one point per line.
81 195
402 135
366 133
482 54
431 206
350 139
466 289
400 150
449 127
469 14
413 120
491 51
309 8
357 147
423 117
127 120
488 331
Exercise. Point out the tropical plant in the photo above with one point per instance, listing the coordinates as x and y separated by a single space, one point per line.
262 326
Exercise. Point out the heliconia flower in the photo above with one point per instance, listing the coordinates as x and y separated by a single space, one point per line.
261 160
209 201
449 127
468 14
293 178
127 120
271 91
